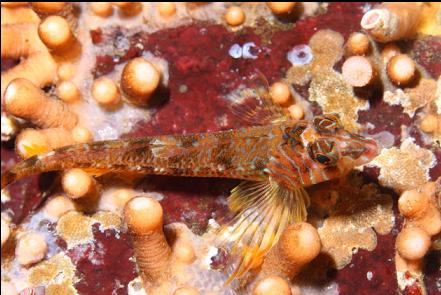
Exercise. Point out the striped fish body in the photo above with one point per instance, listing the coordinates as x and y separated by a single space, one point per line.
285 152
240 153
276 161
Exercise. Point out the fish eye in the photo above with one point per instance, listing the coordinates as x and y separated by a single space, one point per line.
322 159
293 135
327 123
323 151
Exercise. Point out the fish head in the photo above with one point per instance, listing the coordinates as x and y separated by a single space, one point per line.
325 149
329 144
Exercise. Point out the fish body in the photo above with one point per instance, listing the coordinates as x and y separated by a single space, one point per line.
241 153
286 152
275 160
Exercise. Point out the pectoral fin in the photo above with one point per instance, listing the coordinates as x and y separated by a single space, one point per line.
264 209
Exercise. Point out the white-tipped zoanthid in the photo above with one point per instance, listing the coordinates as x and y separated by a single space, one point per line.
272 285
144 218
116 200
413 243
357 44
182 248
77 183
81 134
420 208
48 8
102 9
389 51
128 9
31 248
68 92
281 7
25 100
139 80
106 92
393 21
280 93
234 16
58 205
297 246
358 71
431 123
56 34
296 112
14 4
65 71
18 15
183 252
401 69
413 204
38 65
166 9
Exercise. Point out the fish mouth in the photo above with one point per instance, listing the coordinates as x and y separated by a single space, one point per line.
361 150
371 150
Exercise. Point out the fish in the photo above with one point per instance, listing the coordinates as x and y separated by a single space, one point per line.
276 158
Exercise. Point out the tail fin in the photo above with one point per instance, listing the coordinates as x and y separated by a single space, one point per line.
33 165
8 177
74 156
264 209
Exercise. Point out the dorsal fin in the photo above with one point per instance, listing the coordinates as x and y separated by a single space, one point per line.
263 210
252 103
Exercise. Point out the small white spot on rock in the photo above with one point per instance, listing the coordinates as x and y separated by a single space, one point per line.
246 50
235 51
300 55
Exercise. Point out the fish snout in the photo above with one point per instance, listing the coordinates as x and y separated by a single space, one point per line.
361 150
370 151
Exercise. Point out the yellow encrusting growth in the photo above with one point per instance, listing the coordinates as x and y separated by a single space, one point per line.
55 272
75 228
328 87
356 213
406 167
